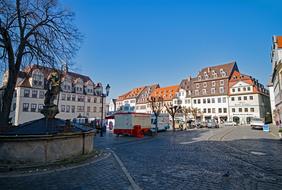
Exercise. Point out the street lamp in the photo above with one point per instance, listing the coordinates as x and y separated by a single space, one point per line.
99 92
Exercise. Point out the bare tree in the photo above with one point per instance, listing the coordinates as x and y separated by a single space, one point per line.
33 32
195 112
156 104
173 110
186 112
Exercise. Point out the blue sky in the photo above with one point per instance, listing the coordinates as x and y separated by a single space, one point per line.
130 43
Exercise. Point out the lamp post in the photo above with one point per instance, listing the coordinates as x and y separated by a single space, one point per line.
99 92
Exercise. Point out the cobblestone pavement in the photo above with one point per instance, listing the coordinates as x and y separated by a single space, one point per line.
225 158
104 174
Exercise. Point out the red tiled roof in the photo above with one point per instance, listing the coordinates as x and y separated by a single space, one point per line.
167 93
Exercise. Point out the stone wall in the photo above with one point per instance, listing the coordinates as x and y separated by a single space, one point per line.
45 148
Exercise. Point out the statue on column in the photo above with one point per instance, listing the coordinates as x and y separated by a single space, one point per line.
50 109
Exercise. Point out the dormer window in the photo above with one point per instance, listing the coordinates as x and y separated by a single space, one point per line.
199 78
206 76
37 78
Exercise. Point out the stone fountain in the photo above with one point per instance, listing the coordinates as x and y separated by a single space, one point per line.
48 139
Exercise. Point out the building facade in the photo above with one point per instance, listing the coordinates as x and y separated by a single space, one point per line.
276 61
77 96
247 98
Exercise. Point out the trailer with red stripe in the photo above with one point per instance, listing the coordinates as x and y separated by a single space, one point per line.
132 123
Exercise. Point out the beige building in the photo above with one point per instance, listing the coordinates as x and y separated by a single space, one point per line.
77 97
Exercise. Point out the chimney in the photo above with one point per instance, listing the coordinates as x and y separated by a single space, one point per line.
209 69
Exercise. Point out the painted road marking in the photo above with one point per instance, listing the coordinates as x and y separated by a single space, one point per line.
258 153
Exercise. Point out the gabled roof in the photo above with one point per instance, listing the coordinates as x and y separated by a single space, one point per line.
228 68
27 73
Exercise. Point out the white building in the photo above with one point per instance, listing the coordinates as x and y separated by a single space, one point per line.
77 97
276 61
212 92
247 99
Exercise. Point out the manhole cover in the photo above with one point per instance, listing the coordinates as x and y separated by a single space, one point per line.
258 153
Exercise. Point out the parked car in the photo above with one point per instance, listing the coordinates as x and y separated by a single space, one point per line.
212 124
257 123
196 124
204 124
230 123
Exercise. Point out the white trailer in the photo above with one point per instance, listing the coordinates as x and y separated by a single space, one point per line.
131 123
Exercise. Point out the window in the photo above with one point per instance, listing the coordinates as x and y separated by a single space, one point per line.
251 97
204 84
249 88
233 89
240 109
26 93
80 98
221 82
233 110
246 109
206 76
213 100
224 110
72 109
37 78
199 101
239 98
204 101
239 89
195 101
204 91
94 109
80 108
209 101
88 108
219 100
196 92
88 99
25 107
197 85
245 98
40 107
232 98
63 97
63 108
244 89
219 110
68 109
209 110
73 97
213 91
34 93
213 83
213 110
41 94
68 97
33 107
205 110
199 77
224 100
221 90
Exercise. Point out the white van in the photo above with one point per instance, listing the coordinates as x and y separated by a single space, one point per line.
163 122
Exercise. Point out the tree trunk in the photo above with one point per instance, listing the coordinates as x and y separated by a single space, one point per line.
7 98
173 123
